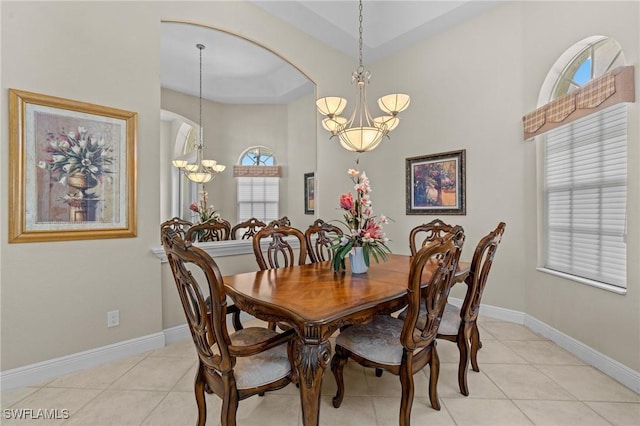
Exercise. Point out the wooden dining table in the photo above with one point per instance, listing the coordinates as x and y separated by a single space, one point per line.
316 301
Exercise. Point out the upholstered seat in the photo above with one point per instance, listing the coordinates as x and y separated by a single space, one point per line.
263 368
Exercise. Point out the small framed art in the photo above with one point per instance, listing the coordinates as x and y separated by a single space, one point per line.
309 193
435 184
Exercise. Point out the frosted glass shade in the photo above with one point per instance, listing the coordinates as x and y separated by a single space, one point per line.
219 168
390 121
179 163
361 139
331 106
332 124
199 177
191 167
209 163
395 103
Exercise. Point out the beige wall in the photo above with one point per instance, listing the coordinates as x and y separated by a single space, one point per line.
55 295
469 85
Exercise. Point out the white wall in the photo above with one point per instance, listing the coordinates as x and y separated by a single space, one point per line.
470 86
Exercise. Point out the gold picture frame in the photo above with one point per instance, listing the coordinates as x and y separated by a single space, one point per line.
72 169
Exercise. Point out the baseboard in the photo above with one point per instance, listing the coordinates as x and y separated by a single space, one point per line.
612 368
53 368
602 362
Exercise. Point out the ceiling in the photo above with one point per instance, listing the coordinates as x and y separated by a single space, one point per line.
238 71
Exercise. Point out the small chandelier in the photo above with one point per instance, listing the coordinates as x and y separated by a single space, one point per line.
361 132
202 171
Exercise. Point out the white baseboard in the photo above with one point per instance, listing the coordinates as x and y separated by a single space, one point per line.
612 368
53 368
48 370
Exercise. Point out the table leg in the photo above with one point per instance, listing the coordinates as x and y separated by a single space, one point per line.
310 360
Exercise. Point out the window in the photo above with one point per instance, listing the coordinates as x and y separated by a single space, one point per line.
258 194
585 180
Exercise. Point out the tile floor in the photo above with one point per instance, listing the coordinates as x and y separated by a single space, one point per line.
524 379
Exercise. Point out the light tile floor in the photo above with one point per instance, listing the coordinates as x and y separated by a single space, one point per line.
524 379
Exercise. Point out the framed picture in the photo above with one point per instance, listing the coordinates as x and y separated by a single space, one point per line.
309 193
436 184
72 169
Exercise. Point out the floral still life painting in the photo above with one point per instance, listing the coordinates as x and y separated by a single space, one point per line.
72 169
364 230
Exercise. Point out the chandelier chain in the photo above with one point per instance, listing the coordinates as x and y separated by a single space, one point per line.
201 47
361 67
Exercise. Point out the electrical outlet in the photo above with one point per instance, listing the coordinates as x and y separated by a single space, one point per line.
113 318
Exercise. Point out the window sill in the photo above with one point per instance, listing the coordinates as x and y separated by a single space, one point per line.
592 283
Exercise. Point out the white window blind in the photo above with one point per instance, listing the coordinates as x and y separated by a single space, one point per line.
586 196
258 197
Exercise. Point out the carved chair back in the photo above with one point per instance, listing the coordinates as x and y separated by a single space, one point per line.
211 230
179 225
445 252
279 252
325 236
250 228
426 233
479 271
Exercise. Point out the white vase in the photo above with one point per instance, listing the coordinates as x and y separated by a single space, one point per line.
356 260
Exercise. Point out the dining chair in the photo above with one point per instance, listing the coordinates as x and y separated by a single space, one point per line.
249 227
320 236
426 233
177 224
284 220
233 366
214 230
279 252
398 346
211 230
459 325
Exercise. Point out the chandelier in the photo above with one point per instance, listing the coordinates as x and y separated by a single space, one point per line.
360 132
202 171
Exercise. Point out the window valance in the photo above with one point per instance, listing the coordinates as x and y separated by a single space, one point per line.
609 89
257 171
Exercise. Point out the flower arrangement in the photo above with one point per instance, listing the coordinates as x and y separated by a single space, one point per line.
77 153
202 212
364 229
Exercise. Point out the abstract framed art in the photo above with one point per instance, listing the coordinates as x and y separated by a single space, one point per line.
435 184
72 169
309 193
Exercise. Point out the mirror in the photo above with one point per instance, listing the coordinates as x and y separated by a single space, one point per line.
251 97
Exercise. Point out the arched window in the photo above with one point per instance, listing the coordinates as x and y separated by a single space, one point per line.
585 172
258 177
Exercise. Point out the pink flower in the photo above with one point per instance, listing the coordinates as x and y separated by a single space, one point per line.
193 208
372 230
353 173
346 201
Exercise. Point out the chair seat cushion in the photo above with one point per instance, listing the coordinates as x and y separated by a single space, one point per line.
448 325
450 322
378 341
263 368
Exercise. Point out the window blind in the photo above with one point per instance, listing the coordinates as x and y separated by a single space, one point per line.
258 197
586 195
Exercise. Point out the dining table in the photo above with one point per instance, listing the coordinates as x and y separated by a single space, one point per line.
316 301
